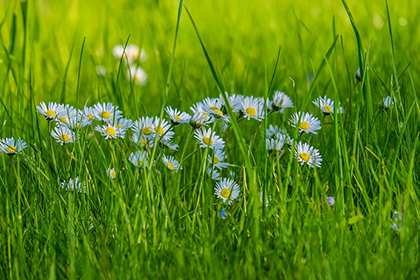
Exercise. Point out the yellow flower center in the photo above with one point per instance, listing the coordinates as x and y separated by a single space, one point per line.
90 117
205 114
216 160
304 125
327 109
50 114
216 110
63 120
113 174
64 138
250 111
170 165
110 131
118 126
177 117
225 193
208 141
11 149
305 156
143 143
147 131
159 130
105 114
140 162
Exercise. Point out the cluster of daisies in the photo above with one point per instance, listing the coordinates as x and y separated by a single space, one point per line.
205 116
146 132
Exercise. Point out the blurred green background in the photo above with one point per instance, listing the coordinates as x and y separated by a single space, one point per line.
242 38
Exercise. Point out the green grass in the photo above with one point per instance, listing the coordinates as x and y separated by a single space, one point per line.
154 223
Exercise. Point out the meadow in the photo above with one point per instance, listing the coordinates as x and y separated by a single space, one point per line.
237 139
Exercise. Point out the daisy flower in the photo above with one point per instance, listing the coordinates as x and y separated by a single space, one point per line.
215 174
306 122
106 112
143 126
51 111
326 105
11 147
132 53
171 163
275 145
65 114
168 145
387 103
204 110
74 185
123 123
235 102
198 120
139 159
275 132
307 154
281 101
163 129
139 139
227 190
137 75
88 113
208 138
176 116
252 108
111 173
110 131
217 159
215 105
77 121
63 135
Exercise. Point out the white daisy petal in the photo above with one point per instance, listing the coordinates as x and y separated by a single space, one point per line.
307 154
208 138
281 101
11 147
111 173
110 131
176 116
171 163
63 134
326 105
106 112
253 108
51 111
217 159
227 190
306 122
74 185
139 159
